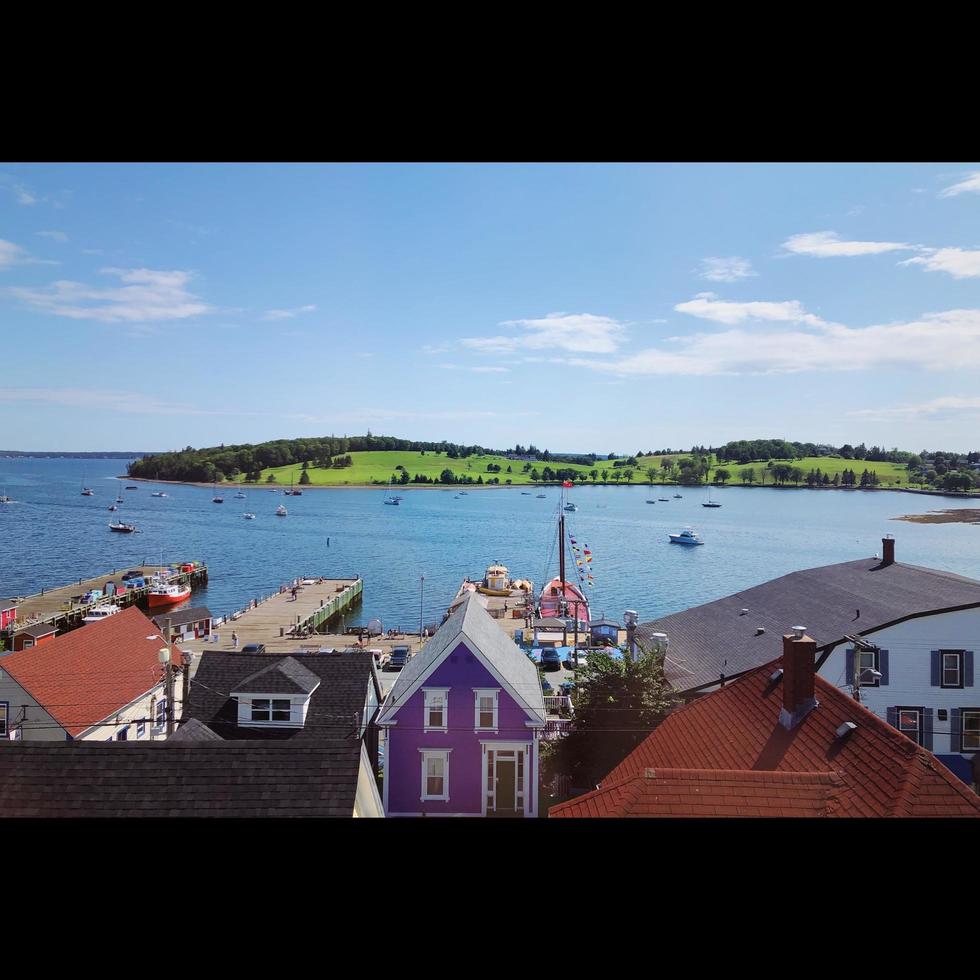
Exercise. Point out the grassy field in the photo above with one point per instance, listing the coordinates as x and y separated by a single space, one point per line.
378 467
371 467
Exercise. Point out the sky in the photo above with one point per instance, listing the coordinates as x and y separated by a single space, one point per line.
581 307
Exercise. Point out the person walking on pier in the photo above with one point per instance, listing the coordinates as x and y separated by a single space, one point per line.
234 641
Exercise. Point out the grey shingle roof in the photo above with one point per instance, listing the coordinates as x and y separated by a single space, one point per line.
179 779
194 731
286 676
471 622
180 617
346 678
855 597
38 630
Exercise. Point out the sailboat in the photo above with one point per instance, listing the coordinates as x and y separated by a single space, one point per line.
86 491
709 502
392 501
4 499
217 498
561 599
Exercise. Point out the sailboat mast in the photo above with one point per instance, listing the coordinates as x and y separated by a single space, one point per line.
561 548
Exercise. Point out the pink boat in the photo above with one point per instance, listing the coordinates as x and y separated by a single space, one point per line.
557 594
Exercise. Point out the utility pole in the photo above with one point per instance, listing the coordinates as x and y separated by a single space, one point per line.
169 668
185 684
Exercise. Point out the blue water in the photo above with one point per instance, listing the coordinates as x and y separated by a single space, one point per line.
52 536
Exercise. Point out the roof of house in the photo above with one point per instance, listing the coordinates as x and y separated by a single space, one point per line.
605 622
342 695
88 675
6 604
179 778
181 617
38 630
193 730
719 746
831 602
472 623
286 676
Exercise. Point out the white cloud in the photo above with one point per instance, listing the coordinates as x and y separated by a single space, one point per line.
435 348
936 410
288 314
960 263
707 306
934 342
479 369
581 333
58 236
828 244
970 185
126 402
147 295
729 269
10 254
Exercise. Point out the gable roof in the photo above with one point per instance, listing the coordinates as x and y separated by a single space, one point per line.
180 617
735 731
286 676
179 779
471 623
86 676
38 630
346 681
194 731
708 640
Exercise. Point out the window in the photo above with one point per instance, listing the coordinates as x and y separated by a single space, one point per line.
436 708
271 709
435 774
970 720
160 716
122 735
952 668
485 709
4 712
140 729
867 664
910 723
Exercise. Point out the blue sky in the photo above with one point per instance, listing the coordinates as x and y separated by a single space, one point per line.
579 307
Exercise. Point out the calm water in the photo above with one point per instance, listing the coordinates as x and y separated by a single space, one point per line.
53 535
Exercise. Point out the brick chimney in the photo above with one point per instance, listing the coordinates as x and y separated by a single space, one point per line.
799 665
888 550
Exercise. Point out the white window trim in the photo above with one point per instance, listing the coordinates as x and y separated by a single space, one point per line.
958 656
865 677
963 732
479 692
908 731
159 723
444 691
270 720
426 753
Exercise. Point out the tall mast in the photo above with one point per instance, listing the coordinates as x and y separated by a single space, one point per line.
561 542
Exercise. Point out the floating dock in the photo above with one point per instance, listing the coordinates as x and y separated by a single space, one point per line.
63 607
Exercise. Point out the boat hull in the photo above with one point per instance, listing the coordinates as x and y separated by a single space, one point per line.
677 539
167 599
556 592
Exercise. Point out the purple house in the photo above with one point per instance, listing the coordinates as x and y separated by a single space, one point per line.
462 725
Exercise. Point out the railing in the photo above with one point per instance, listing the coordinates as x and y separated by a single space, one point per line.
555 703
555 728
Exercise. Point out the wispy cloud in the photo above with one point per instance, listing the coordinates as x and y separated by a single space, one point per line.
582 333
828 244
435 348
12 254
287 314
936 410
969 185
121 402
943 341
476 369
146 296
960 263
729 269
707 306
57 236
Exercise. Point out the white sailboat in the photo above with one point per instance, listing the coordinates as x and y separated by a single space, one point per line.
392 501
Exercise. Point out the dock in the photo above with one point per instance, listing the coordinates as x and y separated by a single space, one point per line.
63 607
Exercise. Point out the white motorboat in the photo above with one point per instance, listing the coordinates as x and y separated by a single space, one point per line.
86 492
239 495
158 493
677 496
102 611
281 511
249 517
113 507
687 536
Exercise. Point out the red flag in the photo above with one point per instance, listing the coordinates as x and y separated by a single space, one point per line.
567 483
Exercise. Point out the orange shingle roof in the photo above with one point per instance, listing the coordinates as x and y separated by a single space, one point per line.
88 675
720 746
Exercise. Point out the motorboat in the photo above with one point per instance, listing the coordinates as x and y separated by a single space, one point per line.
249 517
4 499
239 495
132 488
687 536
86 492
281 511
102 611
651 501
664 500
570 506
541 496
113 507
158 493
525 493
678 496
164 593
122 528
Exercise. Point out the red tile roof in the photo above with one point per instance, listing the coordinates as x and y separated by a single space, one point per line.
88 675
727 752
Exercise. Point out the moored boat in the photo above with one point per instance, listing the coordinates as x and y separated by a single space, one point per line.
102 611
281 511
249 517
687 536
158 493
165 593
122 527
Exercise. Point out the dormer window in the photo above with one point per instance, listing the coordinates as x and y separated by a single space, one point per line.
436 708
265 709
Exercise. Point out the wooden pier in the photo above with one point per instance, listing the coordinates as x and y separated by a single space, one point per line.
62 607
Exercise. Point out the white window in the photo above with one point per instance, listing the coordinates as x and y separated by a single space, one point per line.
436 708
435 774
952 668
271 709
970 719
140 729
485 709
910 723
867 665
160 716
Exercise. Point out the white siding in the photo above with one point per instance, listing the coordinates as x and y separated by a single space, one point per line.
367 801
909 646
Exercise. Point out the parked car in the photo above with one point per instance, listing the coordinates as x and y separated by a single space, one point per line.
399 657
546 686
253 648
550 659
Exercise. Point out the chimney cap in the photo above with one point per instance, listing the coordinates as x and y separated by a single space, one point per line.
798 631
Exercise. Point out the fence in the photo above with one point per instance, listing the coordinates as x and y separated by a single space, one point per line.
556 702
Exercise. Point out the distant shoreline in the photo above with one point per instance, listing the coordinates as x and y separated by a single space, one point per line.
455 487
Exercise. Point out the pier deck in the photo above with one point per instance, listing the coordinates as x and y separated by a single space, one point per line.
59 606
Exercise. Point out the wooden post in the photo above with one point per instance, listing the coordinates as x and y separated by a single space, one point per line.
169 680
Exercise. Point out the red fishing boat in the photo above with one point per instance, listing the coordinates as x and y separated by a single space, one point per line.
168 593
